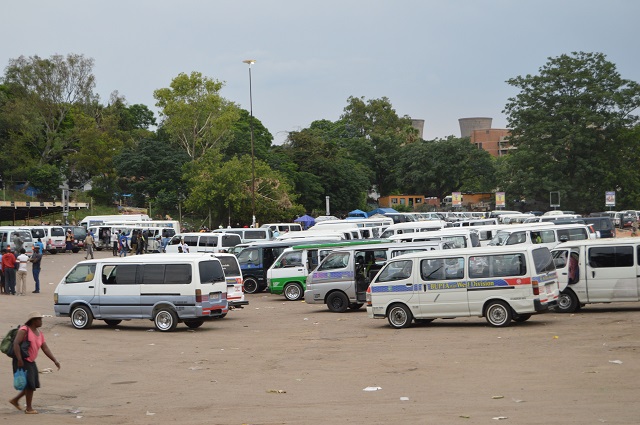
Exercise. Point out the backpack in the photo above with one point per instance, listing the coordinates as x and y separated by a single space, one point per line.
6 346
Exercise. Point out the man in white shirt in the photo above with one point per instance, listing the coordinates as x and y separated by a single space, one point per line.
21 275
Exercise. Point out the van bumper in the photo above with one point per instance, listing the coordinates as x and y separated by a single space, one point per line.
550 305
237 304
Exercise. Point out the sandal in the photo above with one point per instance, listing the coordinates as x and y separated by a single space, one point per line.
31 412
15 404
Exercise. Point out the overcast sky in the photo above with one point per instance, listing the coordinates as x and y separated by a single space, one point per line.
435 60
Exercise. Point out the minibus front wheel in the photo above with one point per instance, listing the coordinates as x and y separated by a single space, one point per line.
498 314
399 316
81 317
567 301
337 302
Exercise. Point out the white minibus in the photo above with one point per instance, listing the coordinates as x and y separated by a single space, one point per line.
203 242
597 271
9 234
548 235
460 237
233 276
412 227
97 220
167 289
52 237
500 284
248 234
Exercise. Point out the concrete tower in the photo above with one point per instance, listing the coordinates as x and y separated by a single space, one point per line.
467 125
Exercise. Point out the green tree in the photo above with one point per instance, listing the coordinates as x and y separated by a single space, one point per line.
224 187
240 138
194 114
568 125
374 134
439 167
45 92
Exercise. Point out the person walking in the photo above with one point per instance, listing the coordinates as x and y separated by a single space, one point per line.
40 245
2 272
9 269
123 245
114 241
88 245
36 260
31 332
22 261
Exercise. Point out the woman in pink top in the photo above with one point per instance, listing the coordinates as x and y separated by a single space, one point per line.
30 330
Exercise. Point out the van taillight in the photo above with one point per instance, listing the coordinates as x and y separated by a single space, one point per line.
240 282
534 285
368 296
198 296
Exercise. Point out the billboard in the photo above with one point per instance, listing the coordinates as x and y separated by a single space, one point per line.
500 202
610 199
456 199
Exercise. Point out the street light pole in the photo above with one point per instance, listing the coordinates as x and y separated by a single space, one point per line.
253 167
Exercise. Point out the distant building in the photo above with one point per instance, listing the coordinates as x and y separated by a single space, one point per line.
418 125
492 140
392 201
468 125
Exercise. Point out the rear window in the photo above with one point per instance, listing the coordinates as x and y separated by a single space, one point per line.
230 240
57 231
211 271
79 232
230 266
210 241
543 261
37 233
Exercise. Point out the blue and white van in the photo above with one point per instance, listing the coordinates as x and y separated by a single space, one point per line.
168 289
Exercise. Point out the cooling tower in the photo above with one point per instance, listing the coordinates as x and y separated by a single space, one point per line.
418 125
467 125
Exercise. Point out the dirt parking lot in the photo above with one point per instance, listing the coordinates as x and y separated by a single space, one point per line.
277 362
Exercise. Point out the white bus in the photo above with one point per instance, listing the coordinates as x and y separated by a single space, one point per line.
500 284
97 220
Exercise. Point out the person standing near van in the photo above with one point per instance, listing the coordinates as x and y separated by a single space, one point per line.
68 240
18 243
123 245
31 332
40 245
36 259
88 245
9 269
114 242
22 261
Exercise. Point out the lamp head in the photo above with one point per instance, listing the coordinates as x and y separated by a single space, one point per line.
249 62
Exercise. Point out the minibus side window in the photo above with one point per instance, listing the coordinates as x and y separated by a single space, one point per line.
507 265
191 240
432 269
560 258
122 275
210 272
208 241
458 241
175 240
517 238
153 274
178 274
230 240
547 236
336 260
396 270
611 256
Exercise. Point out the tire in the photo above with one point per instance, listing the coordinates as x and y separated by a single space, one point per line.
81 317
292 291
355 306
112 323
75 250
165 320
194 323
521 317
567 302
250 285
423 321
498 314
337 302
222 316
399 316
53 251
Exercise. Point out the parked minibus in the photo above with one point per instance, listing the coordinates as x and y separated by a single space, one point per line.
168 289
342 278
8 235
283 227
203 242
412 227
375 221
548 235
288 274
460 237
97 220
233 276
500 284
597 271
52 237
248 234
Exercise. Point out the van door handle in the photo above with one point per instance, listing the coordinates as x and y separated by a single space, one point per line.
408 284
104 290
93 286
593 273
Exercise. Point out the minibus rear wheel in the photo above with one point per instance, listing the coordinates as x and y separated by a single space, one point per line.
521 317
498 314
355 306
194 323
399 316
165 320
112 323
250 285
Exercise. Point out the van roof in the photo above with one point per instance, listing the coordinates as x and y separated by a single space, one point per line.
159 258
487 250
605 241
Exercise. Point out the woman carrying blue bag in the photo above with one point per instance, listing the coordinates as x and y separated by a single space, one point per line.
31 332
